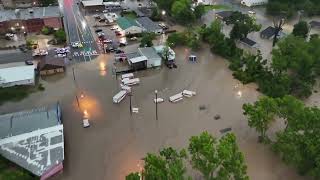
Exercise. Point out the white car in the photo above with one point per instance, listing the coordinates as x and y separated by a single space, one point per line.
113 28
9 35
107 41
251 12
76 44
86 123
133 38
61 55
105 11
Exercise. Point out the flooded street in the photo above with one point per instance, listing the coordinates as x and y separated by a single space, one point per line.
115 143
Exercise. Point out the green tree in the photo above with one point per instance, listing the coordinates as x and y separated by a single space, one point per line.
133 176
181 11
217 159
165 4
146 40
243 25
301 29
199 11
166 53
260 115
60 36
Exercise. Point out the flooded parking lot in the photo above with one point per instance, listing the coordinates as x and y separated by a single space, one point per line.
115 143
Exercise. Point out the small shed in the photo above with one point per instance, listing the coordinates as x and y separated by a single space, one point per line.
51 66
269 32
138 63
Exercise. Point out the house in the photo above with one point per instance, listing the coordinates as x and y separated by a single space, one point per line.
153 59
19 3
128 26
30 20
34 140
223 15
314 24
139 13
203 2
51 66
251 3
269 33
148 25
19 75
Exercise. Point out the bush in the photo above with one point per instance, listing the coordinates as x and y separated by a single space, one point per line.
60 36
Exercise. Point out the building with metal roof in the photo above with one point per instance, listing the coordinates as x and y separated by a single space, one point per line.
154 60
148 25
33 139
269 32
19 75
128 26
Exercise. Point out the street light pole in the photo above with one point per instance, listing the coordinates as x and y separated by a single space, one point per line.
156 92
130 95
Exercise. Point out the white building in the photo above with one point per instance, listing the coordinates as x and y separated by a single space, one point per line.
250 3
19 75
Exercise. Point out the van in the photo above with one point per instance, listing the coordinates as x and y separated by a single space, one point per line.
120 96
176 98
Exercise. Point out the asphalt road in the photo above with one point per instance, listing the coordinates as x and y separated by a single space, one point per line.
78 31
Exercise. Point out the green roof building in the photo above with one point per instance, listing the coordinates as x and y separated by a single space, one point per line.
129 26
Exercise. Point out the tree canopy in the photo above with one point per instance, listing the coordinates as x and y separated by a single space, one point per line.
299 143
181 11
243 24
301 29
214 158
289 7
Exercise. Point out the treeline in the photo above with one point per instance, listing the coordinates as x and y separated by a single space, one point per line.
213 158
293 69
298 143
290 7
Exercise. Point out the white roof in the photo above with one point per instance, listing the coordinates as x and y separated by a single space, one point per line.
92 3
138 59
14 74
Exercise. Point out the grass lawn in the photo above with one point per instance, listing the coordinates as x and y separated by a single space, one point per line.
17 93
10 171
217 6
129 15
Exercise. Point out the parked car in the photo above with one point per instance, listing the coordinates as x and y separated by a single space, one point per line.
251 12
29 62
133 38
98 30
119 51
97 16
107 41
105 11
113 28
122 44
118 33
76 44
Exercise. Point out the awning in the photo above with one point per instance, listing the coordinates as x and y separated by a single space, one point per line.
138 59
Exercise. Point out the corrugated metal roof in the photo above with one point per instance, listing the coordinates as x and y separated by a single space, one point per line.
148 24
138 59
125 23
33 139
149 52
15 74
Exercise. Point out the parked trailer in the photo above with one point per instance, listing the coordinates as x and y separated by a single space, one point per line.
176 98
128 75
120 96
131 82
187 93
